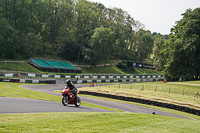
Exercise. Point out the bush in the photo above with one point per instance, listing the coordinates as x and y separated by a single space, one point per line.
121 65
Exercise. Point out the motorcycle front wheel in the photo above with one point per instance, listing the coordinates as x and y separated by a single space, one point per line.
65 100
77 102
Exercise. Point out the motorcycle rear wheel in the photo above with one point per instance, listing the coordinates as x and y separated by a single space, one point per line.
65 100
77 102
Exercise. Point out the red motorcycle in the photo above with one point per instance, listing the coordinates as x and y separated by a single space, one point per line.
68 98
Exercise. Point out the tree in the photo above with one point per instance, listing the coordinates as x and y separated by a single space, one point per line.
33 47
121 23
144 44
182 48
68 45
101 45
86 17
158 54
9 41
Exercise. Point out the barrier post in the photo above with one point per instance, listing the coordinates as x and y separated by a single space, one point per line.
142 88
197 94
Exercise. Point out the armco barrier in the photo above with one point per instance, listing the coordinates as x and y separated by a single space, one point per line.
144 101
38 81
78 76
9 80
117 80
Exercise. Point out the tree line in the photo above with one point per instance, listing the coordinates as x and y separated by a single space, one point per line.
76 30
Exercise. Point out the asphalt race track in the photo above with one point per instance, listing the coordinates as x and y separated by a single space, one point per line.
22 105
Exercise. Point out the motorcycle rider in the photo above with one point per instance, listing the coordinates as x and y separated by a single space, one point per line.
72 87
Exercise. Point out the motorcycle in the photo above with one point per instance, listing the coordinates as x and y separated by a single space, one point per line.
69 98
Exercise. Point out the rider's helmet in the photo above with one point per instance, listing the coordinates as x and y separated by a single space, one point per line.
68 82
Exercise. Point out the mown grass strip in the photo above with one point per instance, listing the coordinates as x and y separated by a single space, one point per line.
95 122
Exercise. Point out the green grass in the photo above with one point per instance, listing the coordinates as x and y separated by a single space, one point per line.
161 94
102 69
189 82
115 70
146 71
13 90
15 66
95 122
25 67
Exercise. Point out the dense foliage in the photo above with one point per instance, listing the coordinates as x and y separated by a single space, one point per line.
179 56
100 46
76 30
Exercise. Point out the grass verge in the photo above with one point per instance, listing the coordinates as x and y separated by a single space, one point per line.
17 66
146 71
148 106
95 122
101 69
25 67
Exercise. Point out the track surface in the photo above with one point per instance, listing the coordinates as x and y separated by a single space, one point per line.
24 105
120 106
